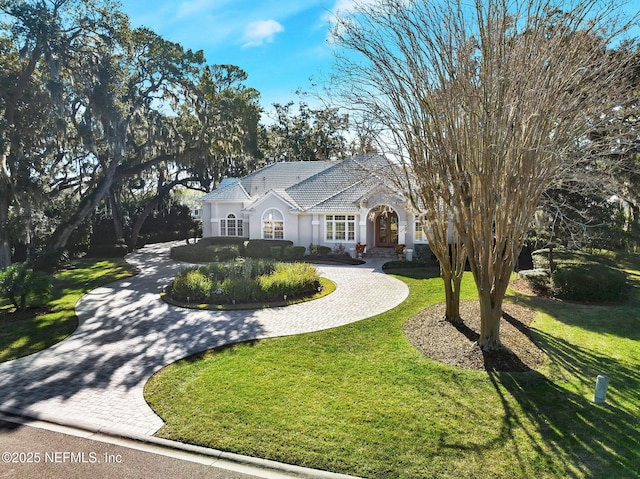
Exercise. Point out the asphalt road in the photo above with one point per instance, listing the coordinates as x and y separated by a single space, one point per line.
31 452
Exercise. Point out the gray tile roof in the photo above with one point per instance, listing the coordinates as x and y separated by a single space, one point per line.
349 198
231 191
341 185
312 185
280 176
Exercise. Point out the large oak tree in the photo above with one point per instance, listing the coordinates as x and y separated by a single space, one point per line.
87 103
37 38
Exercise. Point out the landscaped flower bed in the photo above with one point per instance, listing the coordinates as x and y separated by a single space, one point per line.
244 281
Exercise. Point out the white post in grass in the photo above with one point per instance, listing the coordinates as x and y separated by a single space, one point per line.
601 389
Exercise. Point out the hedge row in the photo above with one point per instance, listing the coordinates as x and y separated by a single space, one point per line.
221 249
587 282
577 276
266 248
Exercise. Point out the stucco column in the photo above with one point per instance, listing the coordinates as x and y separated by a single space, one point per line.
215 226
315 230
402 232
362 237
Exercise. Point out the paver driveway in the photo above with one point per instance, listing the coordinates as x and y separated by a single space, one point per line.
96 376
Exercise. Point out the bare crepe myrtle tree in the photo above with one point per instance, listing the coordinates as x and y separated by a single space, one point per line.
486 102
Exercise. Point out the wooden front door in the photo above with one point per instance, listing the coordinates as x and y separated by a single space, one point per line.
387 229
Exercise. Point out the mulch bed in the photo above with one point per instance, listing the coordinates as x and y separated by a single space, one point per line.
454 344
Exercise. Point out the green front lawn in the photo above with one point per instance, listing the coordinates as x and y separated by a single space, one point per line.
361 400
23 333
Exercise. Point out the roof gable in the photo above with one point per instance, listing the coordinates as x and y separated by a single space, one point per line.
280 194
233 191
341 185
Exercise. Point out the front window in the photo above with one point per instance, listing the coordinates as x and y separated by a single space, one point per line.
231 226
272 224
419 235
340 227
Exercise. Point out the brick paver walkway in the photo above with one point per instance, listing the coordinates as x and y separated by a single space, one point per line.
95 377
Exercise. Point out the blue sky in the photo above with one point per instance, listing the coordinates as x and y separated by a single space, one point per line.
279 43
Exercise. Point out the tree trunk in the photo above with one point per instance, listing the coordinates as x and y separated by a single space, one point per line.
5 202
452 296
163 190
137 226
490 315
61 235
491 295
5 247
116 214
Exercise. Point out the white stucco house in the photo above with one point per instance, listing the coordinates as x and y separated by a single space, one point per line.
327 203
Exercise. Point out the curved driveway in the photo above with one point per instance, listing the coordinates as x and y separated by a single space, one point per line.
95 378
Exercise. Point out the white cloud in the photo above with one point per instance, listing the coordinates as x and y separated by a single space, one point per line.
257 33
344 7
341 7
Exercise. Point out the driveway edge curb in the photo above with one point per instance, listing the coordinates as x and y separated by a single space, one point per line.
89 431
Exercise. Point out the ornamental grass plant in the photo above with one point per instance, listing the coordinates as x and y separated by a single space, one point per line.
244 281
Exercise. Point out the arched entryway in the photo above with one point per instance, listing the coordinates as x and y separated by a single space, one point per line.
386 229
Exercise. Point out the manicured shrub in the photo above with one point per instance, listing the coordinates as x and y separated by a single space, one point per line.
222 252
562 255
290 279
192 285
587 282
578 275
295 252
205 252
537 279
262 248
275 252
222 241
424 254
189 253
317 250
21 285
540 259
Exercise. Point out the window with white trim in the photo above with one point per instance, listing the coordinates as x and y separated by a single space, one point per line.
231 226
419 235
272 224
340 228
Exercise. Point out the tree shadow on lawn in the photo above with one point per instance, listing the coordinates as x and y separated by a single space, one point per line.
589 440
620 319
25 332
